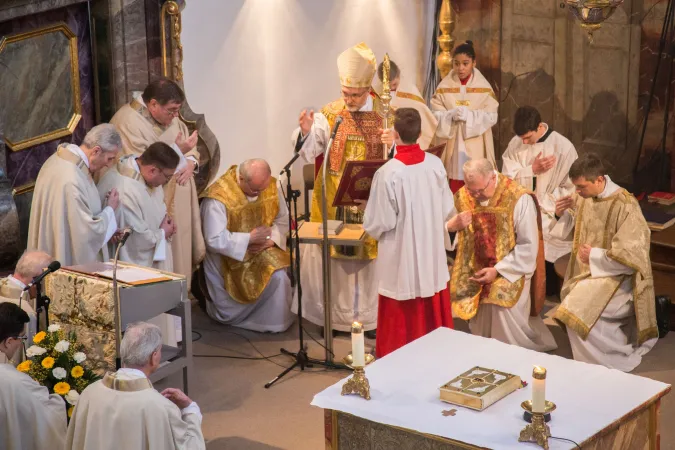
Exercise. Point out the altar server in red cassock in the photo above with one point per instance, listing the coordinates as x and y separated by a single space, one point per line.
409 203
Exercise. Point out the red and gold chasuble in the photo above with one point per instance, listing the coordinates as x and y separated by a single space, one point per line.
486 241
357 139
245 280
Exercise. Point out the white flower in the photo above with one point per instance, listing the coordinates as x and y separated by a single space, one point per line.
79 357
35 350
72 396
54 328
59 373
62 346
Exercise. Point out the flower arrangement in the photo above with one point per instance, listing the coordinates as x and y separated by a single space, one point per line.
55 360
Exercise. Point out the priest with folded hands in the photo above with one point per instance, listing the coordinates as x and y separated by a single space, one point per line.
409 203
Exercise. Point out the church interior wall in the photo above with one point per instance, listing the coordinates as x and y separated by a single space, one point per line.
251 66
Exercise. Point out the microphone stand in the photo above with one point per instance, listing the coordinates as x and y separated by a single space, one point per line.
301 358
41 304
118 309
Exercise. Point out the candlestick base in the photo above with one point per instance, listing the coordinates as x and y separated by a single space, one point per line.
537 431
358 383
527 414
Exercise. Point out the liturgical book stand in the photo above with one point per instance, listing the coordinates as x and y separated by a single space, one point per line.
82 301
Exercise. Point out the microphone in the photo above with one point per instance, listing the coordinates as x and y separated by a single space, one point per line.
53 267
126 233
338 121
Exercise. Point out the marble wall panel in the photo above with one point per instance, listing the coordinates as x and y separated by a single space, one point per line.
23 166
536 8
11 9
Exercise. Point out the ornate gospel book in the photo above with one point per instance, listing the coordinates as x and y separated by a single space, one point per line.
358 176
479 388
355 182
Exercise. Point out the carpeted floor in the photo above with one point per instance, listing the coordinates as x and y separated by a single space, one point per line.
240 414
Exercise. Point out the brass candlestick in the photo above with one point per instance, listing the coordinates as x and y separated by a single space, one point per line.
537 431
358 383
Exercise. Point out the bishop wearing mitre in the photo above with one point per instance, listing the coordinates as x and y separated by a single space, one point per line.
359 137
153 117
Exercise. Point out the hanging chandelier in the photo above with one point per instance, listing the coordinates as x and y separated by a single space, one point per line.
592 13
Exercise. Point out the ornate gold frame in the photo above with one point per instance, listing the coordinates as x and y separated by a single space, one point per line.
75 81
172 9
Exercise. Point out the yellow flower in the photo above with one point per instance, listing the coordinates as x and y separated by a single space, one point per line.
48 362
70 411
39 337
77 372
61 388
24 366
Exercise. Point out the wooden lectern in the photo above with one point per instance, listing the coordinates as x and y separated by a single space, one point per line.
82 301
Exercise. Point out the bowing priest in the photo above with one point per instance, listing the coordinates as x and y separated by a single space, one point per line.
497 280
139 181
153 117
68 220
31 264
30 418
124 411
608 295
359 137
540 158
406 95
409 203
245 221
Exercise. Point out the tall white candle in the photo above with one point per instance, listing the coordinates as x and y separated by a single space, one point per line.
538 389
358 346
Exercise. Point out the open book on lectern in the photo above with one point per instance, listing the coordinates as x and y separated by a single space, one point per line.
357 178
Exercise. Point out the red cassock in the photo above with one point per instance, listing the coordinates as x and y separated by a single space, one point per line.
400 322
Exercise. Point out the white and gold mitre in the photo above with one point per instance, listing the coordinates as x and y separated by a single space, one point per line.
357 66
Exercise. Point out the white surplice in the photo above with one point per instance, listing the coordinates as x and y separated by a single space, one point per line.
110 419
514 325
353 282
610 341
550 186
407 208
67 220
272 311
30 418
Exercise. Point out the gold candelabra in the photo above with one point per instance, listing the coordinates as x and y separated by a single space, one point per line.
446 23
358 383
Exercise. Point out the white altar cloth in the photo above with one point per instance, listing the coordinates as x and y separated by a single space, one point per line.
404 392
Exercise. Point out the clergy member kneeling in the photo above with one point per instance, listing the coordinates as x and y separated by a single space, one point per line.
139 180
123 411
608 294
498 280
30 418
67 218
31 264
409 203
245 222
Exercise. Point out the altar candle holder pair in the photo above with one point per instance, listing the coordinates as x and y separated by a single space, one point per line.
537 430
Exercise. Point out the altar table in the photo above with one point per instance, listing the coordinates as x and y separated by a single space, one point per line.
598 408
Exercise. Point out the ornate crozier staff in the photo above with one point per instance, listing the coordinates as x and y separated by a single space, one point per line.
386 99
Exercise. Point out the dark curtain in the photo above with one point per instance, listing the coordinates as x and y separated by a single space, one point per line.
433 77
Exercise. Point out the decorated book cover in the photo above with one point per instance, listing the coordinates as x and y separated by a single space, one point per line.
479 388
355 182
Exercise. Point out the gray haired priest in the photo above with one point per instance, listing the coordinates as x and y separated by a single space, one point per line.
607 298
124 411
67 218
245 222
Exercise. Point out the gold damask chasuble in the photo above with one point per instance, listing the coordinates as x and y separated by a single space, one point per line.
614 223
245 280
357 139
490 237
